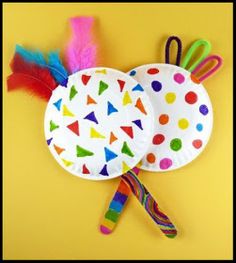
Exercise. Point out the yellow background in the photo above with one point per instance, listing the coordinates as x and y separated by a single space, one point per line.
49 214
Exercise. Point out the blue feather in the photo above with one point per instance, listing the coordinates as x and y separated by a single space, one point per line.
57 69
31 56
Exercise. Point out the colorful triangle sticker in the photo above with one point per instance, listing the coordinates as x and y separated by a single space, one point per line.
57 104
121 84
128 130
49 141
126 150
102 87
73 92
66 162
90 100
85 170
74 127
81 152
91 117
140 106
125 167
58 149
102 71
53 126
126 98
138 123
96 134
112 138
67 112
138 87
109 155
85 79
110 108
104 171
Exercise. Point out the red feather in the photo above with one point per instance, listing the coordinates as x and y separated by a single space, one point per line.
31 77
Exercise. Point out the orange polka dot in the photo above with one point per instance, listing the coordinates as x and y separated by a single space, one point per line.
151 158
163 119
194 79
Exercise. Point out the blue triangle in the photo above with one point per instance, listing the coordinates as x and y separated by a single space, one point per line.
109 154
138 87
49 141
91 117
104 171
64 82
110 108
57 104
138 123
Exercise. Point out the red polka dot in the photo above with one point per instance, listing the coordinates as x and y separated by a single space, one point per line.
152 71
197 144
151 158
158 139
191 97
163 119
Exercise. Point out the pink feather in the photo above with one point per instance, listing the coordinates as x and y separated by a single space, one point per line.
81 51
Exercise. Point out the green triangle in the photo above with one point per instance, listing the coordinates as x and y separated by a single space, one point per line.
53 126
73 92
102 87
81 152
126 150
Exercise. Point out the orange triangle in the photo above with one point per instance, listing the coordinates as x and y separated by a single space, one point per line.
112 138
140 106
90 100
58 149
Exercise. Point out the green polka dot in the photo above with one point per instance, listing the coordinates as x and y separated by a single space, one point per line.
176 144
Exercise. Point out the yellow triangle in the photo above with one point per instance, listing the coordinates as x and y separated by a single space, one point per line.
103 71
126 98
125 167
66 112
139 164
67 163
96 134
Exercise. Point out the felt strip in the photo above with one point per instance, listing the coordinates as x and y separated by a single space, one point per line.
207 48
179 50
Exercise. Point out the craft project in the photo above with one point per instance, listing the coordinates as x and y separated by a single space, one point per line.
183 115
98 121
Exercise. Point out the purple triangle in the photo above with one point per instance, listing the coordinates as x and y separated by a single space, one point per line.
91 117
104 171
64 83
49 141
138 123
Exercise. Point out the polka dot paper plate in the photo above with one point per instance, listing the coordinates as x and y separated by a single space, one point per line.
183 115
100 125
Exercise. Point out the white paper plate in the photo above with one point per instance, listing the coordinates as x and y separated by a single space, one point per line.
100 125
183 116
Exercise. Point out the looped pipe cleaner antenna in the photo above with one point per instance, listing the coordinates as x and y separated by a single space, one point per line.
189 55
179 50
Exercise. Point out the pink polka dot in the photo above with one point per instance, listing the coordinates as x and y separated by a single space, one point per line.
197 144
179 78
165 163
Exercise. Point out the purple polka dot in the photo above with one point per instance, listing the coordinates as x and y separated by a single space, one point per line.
165 163
179 78
203 109
156 85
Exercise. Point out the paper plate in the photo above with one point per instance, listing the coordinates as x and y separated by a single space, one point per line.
100 125
183 116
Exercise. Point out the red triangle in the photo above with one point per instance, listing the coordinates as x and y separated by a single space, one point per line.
122 84
128 130
85 79
85 170
90 100
74 127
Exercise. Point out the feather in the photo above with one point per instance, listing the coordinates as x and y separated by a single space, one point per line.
81 50
57 69
31 77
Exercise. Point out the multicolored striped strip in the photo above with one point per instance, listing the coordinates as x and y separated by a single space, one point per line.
131 182
116 206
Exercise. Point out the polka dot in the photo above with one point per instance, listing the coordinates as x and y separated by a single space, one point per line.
152 71
199 127
158 139
183 124
163 119
151 158
132 73
191 97
179 78
165 163
203 109
176 144
197 144
156 85
170 97
194 79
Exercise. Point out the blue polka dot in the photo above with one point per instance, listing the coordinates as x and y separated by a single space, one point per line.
132 73
199 127
203 109
156 85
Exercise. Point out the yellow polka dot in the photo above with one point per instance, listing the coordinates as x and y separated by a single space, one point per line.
170 97
183 124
